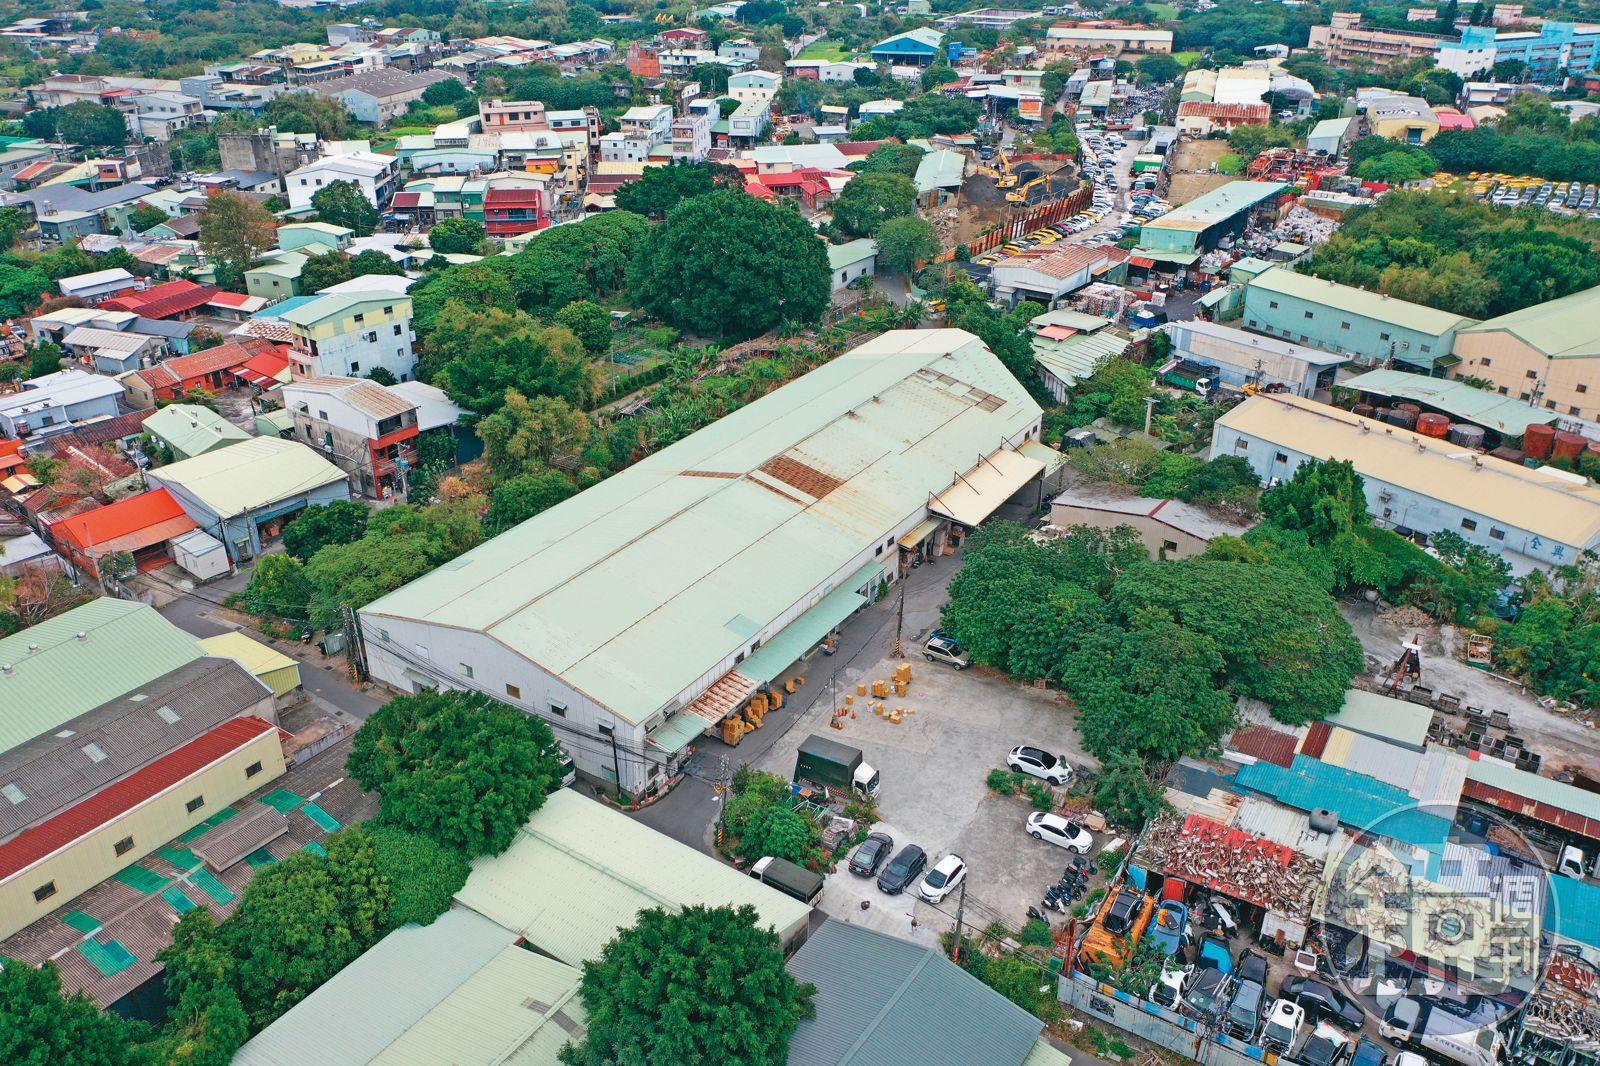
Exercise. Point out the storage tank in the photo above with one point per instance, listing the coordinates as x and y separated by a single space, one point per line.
1411 407
1538 440
1568 445
1432 425
1363 409
1467 436
1398 417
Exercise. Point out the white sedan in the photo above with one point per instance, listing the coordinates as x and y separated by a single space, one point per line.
1042 825
943 879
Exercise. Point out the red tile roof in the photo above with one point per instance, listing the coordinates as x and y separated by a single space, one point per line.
175 372
406 199
163 301
1250 113
119 798
124 518
509 196
264 369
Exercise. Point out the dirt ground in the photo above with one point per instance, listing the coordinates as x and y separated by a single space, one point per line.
982 205
1564 741
1191 161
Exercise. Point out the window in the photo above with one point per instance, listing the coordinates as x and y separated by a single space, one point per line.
877 551
1485 362
1272 303
1241 445
397 329
514 692
1573 410
1496 534
1383 336
371 336
1169 545
1426 347
1524 396
1303 339
1532 375
1550 405
1309 315
1502 390
389 310
44 891
606 730
360 318
1468 524
466 668
1344 325
322 415
253 769
123 846
1280 457
1580 387
355 367
195 804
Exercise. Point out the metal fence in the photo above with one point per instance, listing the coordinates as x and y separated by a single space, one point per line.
1155 1023
1047 215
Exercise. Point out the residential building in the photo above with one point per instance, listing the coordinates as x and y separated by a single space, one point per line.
268 151
171 299
1552 50
53 402
379 97
941 437
1250 359
98 285
511 212
1533 518
1069 346
887 1000
210 370
1046 273
852 260
1402 118
823 69
350 334
65 212
748 123
1202 119
1345 41
244 494
188 430
161 115
740 50
691 138
920 47
1169 529
1367 326
374 174
509 116
1545 355
140 525
1200 224
642 129
363 428
318 237
112 351
1102 37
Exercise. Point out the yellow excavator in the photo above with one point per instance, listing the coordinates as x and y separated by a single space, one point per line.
1020 196
1001 173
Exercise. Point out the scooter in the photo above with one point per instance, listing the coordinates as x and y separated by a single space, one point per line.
1037 915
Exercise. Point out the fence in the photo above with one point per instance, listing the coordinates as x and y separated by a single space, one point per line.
1158 1025
321 744
1049 214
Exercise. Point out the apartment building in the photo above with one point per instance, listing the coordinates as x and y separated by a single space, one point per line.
364 429
1345 40
374 174
350 334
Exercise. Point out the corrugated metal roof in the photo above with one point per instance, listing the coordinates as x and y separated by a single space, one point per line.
1532 787
1265 743
942 169
1572 910
124 645
1078 356
716 526
1387 762
96 532
1218 205
1044 1054
882 1001
580 871
1361 802
190 429
1561 329
371 1003
251 475
1349 298
1488 409
1284 825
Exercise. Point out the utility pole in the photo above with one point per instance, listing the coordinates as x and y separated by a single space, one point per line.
900 615
616 762
961 906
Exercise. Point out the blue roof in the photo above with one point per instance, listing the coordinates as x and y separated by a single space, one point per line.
278 309
1573 910
1361 802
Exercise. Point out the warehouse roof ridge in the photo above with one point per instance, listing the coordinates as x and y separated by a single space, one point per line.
1563 328
1359 301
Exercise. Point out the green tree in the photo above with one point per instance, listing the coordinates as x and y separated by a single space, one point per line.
43 358
781 832
458 768
1126 793
585 260
903 241
320 271
235 230
457 236
476 356
1251 141
147 217
20 290
95 125
589 322
1473 576
1322 499
382 376
1157 69
471 288
373 261
700 985
401 544
342 203
278 588
870 200
207 1020
661 189
423 875
519 498
526 434
729 264
319 525
713 78
445 93
902 159
41 1027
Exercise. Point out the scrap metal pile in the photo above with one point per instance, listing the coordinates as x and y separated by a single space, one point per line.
1230 861
1566 1008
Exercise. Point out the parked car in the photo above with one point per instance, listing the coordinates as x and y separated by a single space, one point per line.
1042 825
903 869
1171 985
945 877
1369 1052
1170 927
1283 1025
870 854
1207 997
945 650
1322 1000
1244 1009
1036 762
1326 1046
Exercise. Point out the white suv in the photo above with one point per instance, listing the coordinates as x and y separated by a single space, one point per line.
1042 825
1039 763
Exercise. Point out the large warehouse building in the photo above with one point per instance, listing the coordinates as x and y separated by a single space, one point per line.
642 612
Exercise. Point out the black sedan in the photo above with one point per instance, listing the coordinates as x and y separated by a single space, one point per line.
1323 1001
902 870
870 855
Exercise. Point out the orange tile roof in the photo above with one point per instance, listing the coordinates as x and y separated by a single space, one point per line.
125 517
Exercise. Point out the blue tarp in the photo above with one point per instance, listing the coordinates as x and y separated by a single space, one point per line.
1361 802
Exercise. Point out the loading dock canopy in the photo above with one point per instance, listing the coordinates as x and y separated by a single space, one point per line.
978 493
801 635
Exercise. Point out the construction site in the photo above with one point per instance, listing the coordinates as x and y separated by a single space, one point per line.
1004 191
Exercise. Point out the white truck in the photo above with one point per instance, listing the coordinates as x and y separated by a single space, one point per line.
1414 1023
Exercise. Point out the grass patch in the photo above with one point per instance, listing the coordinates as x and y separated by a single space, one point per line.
829 50
1163 12
1186 58
1230 164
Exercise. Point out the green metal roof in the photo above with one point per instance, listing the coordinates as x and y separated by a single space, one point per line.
851 253
1488 409
1330 127
190 429
884 1001
1359 301
1076 358
324 307
805 632
749 518
124 645
1383 716
1561 329
1218 205
579 871
942 169
250 475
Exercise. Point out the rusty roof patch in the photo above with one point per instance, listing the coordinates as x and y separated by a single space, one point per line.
802 476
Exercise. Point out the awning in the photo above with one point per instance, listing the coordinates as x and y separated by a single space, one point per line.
725 696
1141 261
805 632
1044 453
1215 296
678 732
923 531
978 493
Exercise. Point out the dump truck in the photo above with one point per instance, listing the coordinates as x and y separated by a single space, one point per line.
1118 928
834 767
1196 377
788 878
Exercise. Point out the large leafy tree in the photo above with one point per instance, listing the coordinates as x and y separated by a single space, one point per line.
663 188
41 1027
477 355
401 544
728 264
90 124
320 271
207 1020
472 287
1323 499
373 261
344 204
890 158
307 112
589 322
704 985
459 768
527 433
339 522
870 200
278 588
423 874
235 230
902 241
20 290
520 498
461 236
1126 792
586 260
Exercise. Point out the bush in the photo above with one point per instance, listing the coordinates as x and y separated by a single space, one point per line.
1000 781
1036 933
1108 861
